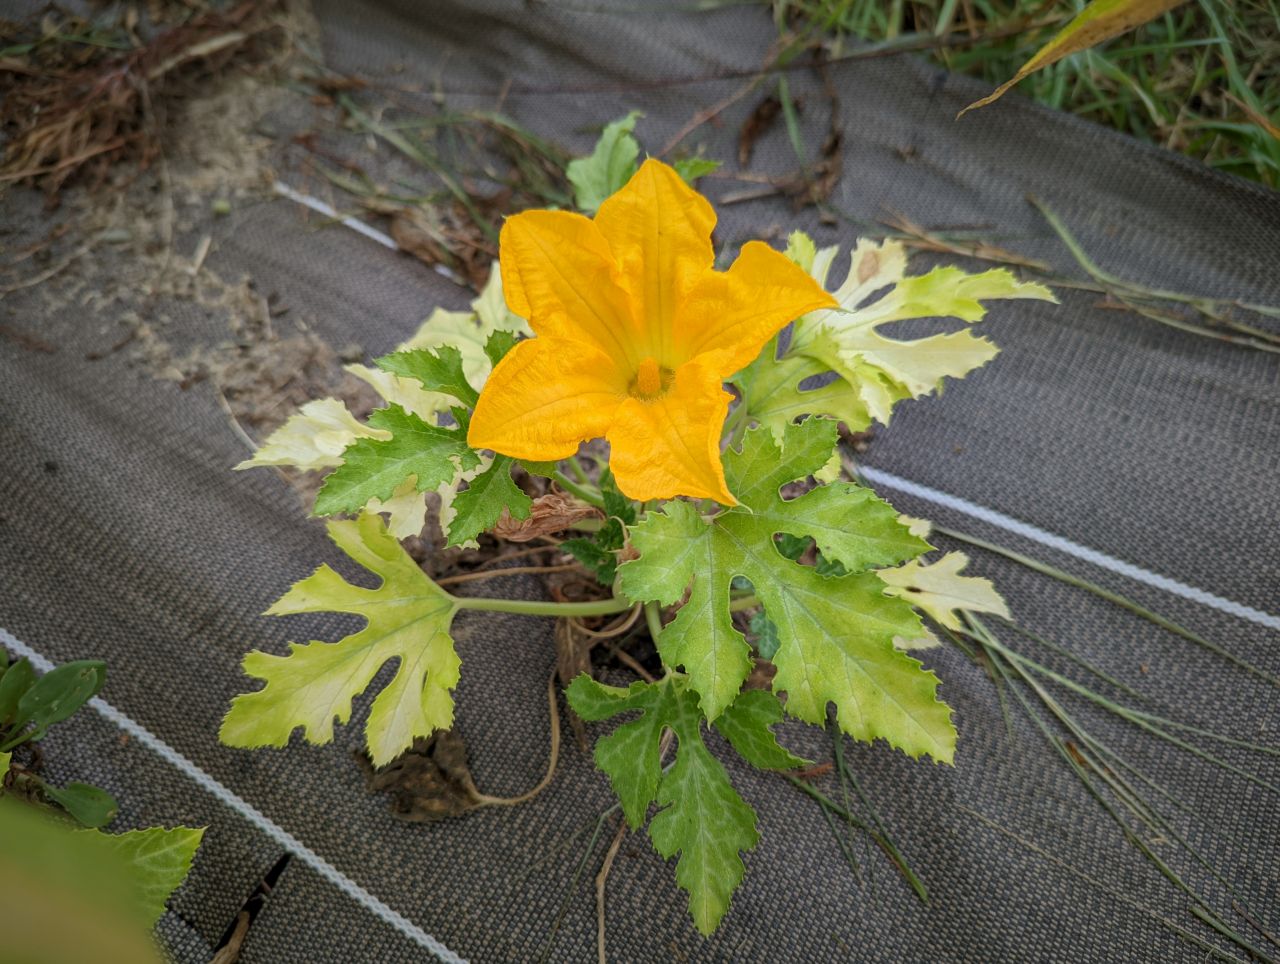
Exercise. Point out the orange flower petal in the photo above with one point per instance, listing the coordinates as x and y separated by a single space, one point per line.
728 316
670 445
559 273
545 397
659 230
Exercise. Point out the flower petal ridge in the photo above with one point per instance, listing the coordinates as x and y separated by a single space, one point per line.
636 334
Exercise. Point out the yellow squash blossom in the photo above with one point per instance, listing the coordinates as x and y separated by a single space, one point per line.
636 334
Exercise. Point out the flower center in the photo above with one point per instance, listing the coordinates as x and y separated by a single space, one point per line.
651 380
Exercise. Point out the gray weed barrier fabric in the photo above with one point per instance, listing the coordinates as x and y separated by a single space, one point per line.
125 536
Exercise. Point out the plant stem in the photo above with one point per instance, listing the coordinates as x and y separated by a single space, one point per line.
734 422
582 492
653 618
538 607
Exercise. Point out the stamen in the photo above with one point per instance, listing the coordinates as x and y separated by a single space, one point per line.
648 379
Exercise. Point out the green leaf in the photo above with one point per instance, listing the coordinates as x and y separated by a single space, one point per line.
608 167
375 468
616 505
599 553
748 723
91 806
408 618
468 332
159 860
602 562
438 369
477 508
1099 21
766 633
692 168
835 635
60 692
701 817
17 680
940 590
498 344
874 372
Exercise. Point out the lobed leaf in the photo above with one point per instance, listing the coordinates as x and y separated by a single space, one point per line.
158 859
375 468
834 634
940 590
314 437
408 619
701 818
438 369
478 507
868 373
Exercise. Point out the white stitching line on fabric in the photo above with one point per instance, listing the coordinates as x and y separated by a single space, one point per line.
246 810
355 224
1045 538
936 496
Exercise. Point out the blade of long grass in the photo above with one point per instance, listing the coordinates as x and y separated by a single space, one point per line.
1120 600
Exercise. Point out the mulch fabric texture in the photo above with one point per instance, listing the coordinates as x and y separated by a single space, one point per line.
125 536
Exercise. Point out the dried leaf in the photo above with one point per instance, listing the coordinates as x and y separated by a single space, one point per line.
553 512
428 782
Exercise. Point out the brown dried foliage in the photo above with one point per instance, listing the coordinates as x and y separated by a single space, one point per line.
69 108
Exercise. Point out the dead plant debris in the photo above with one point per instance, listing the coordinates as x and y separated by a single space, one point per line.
77 97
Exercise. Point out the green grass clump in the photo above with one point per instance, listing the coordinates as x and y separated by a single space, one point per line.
1203 79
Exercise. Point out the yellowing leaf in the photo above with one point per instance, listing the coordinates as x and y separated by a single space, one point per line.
940 590
926 640
874 371
314 438
406 509
408 619
1098 22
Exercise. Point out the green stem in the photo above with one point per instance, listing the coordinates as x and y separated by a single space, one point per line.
653 618
735 421
586 495
538 607
579 471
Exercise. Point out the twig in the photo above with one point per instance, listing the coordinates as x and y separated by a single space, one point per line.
1137 299
617 628
553 757
235 422
631 663
710 113
49 272
601 878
